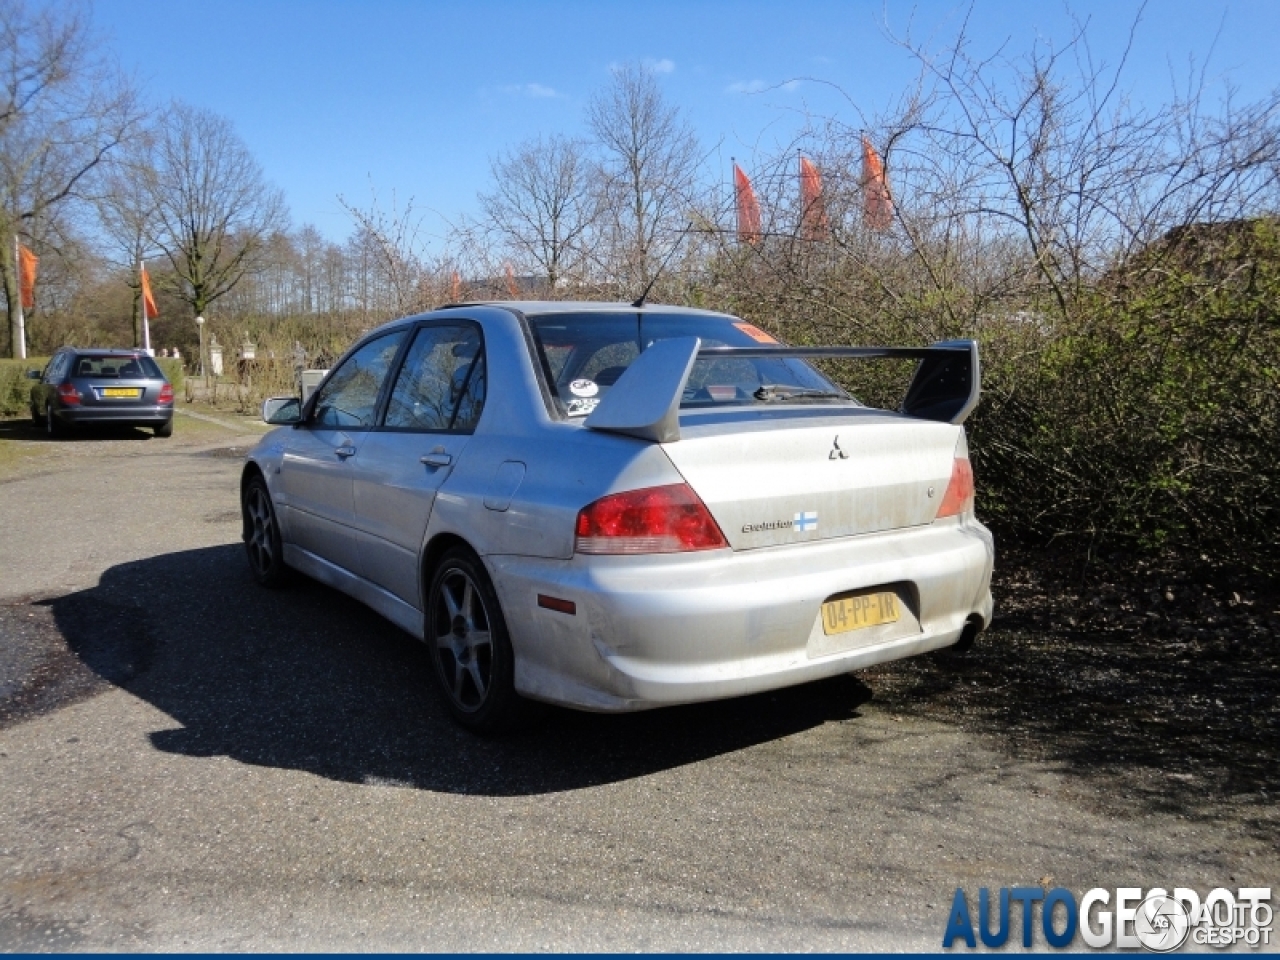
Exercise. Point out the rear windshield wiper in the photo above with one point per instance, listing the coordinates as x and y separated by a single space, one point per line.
779 391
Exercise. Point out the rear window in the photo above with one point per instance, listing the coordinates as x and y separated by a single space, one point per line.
114 366
584 354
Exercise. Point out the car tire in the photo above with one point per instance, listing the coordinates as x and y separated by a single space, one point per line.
165 429
473 663
53 427
262 543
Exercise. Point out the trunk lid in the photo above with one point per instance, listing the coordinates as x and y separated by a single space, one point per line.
795 476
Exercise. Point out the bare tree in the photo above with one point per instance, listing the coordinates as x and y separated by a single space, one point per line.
648 174
386 256
1042 156
215 213
541 206
63 109
127 210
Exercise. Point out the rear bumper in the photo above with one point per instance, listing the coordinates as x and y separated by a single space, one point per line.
141 415
679 628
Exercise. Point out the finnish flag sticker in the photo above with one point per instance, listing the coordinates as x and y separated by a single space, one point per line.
804 522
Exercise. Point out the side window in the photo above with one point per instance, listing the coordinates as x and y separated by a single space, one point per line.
57 368
441 385
349 398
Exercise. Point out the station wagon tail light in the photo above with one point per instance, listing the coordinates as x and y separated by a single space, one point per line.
166 395
68 395
959 496
670 519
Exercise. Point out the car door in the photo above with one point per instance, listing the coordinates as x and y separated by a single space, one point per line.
43 392
315 474
431 412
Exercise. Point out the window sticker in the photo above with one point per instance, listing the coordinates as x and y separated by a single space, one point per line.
584 388
755 333
583 406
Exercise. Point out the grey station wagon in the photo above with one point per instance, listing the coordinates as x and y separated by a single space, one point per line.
91 385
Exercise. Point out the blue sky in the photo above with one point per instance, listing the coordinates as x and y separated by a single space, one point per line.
412 98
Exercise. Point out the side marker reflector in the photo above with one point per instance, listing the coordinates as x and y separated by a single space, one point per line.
555 603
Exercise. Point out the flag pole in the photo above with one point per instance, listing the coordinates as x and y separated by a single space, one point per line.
146 327
20 327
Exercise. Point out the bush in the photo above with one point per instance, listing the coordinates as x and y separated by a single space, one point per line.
173 370
15 388
1144 422
1151 422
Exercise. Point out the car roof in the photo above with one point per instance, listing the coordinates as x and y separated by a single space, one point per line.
108 351
539 308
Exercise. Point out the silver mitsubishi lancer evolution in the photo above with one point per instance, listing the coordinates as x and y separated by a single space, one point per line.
616 507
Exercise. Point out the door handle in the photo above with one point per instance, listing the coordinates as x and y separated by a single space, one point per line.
436 458
346 450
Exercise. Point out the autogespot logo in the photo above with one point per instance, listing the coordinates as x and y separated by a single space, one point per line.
1155 919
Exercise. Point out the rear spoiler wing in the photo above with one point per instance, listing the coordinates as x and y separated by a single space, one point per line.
645 402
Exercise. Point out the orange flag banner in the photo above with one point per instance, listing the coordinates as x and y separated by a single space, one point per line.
877 204
814 224
455 287
511 282
149 310
748 208
27 264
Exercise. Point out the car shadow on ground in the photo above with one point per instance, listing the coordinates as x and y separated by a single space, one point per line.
28 431
305 678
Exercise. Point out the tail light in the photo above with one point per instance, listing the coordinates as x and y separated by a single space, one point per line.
166 396
959 496
68 395
669 519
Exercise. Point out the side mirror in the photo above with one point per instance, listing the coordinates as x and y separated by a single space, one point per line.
34 375
282 411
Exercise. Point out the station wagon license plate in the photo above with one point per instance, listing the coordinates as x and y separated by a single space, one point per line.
864 610
131 393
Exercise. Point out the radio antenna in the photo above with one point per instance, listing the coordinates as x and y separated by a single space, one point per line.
639 301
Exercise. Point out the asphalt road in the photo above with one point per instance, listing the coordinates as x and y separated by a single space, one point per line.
188 762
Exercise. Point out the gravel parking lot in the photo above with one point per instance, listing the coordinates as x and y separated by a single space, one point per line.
188 762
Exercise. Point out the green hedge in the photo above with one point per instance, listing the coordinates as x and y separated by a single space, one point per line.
15 388
173 370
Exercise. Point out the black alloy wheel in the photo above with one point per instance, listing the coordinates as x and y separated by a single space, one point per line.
472 656
262 542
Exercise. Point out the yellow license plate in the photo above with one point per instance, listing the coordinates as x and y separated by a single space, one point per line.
121 392
864 610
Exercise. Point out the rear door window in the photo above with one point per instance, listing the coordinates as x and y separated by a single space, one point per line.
58 367
442 383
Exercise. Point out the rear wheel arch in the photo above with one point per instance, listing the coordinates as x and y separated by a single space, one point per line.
465 628
436 548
